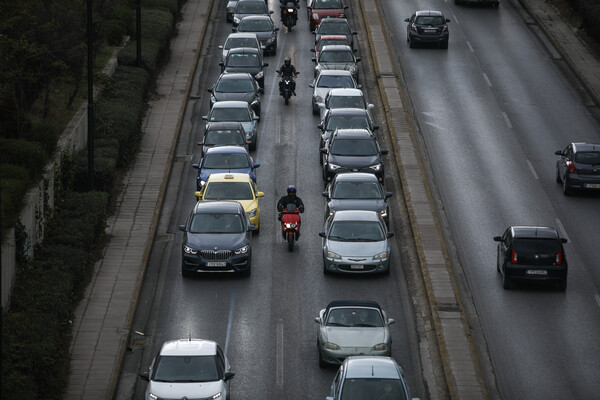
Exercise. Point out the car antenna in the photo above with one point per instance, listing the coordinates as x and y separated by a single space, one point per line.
190 337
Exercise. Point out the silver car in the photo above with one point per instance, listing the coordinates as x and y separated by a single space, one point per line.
337 57
240 39
356 242
345 98
352 328
327 80
235 111
188 368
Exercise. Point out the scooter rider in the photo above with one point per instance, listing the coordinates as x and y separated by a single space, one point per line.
287 69
290 198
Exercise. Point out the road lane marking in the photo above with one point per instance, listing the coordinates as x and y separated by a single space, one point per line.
561 228
279 356
507 120
532 170
470 47
597 299
455 19
487 79
230 319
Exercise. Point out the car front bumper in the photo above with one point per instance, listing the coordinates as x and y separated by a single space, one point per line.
236 263
346 266
337 357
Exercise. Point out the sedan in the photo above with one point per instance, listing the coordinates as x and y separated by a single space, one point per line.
245 8
356 242
578 167
344 118
352 328
327 80
237 86
337 57
427 27
224 159
320 9
235 111
223 134
265 30
335 26
345 98
245 59
357 191
353 150
239 39
188 368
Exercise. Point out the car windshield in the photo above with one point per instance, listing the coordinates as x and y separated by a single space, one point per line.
357 190
254 26
234 114
327 4
224 138
353 147
327 42
234 86
251 7
361 317
181 369
225 161
243 60
347 122
334 28
232 43
346 102
536 245
333 81
336 56
372 388
430 20
356 231
228 191
216 223
588 157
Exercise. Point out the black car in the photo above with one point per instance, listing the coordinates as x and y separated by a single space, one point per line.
352 150
265 30
223 134
335 26
344 118
427 27
357 191
216 239
245 8
531 253
245 59
237 86
578 167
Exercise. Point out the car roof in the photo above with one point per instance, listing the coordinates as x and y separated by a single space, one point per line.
355 177
333 20
336 47
353 303
229 177
226 149
371 367
333 37
220 206
353 133
534 232
225 125
261 16
348 111
235 75
429 13
356 215
582 146
231 104
189 347
335 72
242 35
244 50
345 92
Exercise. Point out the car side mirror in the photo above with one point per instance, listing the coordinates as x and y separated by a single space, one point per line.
233 29
313 51
196 166
227 376
220 47
211 90
323 150
256 165
314 59
198 194
355 33
182 228
359 86
325 194
256 118
564 240
328 398
447 20
558 152
251 227
384 152
370 107
275 29
391 321
320 126
145 376
497 238
375 127
388 195
205 117
260 194
406 20
390 234
311 85
265 64
318 320
345 7
358 59
270 11
322 234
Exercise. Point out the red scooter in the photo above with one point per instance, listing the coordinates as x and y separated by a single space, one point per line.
290 225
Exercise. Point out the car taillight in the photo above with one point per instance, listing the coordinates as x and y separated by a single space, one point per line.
558 260
513 257
571 167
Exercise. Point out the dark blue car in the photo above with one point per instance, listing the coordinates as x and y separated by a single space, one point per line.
225 159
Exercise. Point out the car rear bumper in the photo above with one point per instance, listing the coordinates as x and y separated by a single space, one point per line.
337 357
535 272
583 182
428 38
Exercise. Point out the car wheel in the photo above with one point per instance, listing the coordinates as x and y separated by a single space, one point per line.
387 271
322 363
562 285
315 112
445 45
566 190
558 180
411 44
252 145
185 273
248 270
506 283
256 231
325 270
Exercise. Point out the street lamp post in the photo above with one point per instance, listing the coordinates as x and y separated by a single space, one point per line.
90 78
138 32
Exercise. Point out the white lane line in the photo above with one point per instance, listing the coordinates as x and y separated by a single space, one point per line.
597 299
487 79
279 356
230 319
455 19
507 120
532 170
561 228
470 47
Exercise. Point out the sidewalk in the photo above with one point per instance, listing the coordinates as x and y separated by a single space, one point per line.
103 319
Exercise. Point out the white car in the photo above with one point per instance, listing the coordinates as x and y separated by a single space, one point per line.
345 98
327 80
188 369
240 39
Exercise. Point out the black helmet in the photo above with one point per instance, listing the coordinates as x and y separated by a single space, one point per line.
291 189
287 61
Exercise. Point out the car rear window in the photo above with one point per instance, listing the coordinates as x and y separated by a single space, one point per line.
430 20
235 86
357 190
588 157
346 102
226 161
327 4
254 26
537 245
240 42
347 122
335 28
353 147
225 137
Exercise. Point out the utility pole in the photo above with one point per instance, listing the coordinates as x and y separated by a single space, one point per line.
90 78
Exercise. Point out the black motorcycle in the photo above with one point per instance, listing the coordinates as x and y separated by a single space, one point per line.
286 86
289 15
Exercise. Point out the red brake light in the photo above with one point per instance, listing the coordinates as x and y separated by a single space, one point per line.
558 260
513 257
571 167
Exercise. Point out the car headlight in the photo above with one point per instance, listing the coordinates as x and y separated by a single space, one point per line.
242 250
252 213
383 213
353 70
333 167
318 99
259 75
271 40
202 182
153 396
380 347
213 99
254 103
332 255
375 167
381 256
189 250
216 396
236 20
331 346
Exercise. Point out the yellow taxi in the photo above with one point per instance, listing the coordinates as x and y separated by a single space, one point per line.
233 186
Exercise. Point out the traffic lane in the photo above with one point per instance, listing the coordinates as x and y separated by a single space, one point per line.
480 184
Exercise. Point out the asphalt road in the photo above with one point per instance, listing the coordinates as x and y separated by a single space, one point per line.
265 322
491 110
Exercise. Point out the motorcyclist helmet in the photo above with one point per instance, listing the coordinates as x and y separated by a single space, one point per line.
291 190
287 61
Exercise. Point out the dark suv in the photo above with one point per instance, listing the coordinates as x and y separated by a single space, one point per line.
578 167
427 27
532 253
216 239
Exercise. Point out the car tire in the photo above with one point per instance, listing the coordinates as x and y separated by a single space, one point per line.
411 44
185 273
252 146
506 282
445 45
248 270
566 190
325 270
315 112
322 363
562 285
387 271
558 180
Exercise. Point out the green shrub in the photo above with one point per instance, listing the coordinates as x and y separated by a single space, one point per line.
171 6
45 134
11 201
30 155
114 31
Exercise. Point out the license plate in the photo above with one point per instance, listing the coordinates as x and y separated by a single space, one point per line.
216 264
357 266
592 185
430 30
537 272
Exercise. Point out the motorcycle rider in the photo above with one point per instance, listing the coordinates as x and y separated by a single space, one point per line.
287 69
290 198
283 4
